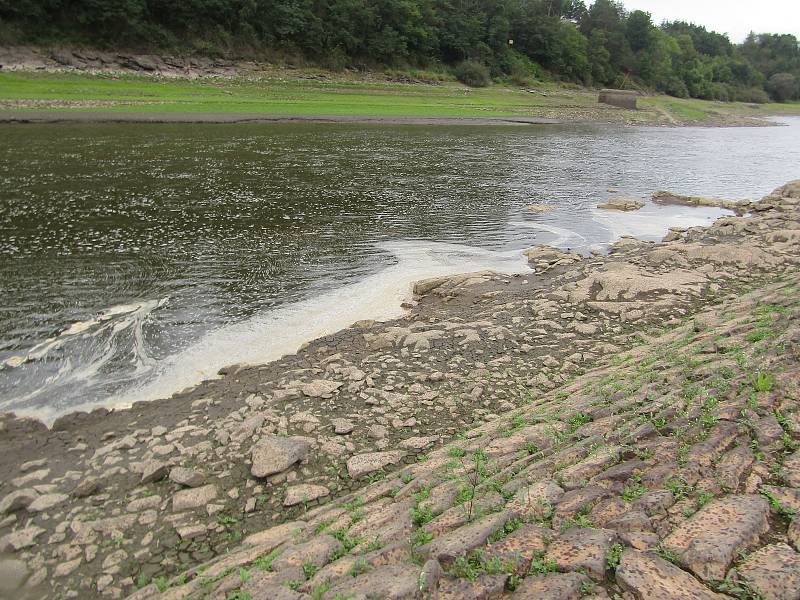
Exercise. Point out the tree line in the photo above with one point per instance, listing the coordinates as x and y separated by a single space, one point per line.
599 45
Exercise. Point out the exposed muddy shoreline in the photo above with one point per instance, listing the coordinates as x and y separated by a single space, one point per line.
25 116
108 501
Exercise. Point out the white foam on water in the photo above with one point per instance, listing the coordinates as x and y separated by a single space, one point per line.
652 222
272 334
134 314
564 237
83 349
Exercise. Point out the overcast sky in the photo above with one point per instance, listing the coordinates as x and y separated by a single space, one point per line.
734 17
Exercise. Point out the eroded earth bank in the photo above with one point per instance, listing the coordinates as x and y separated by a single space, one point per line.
621 426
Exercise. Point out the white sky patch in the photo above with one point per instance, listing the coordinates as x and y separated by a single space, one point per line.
737 18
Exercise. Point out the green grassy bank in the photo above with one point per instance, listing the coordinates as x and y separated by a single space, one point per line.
329 95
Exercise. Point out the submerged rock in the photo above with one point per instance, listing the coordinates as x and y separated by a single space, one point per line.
623 204
681 199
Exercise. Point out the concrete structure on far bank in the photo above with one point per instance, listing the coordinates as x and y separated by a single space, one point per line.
620 98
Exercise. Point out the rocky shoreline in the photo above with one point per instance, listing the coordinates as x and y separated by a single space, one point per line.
577 419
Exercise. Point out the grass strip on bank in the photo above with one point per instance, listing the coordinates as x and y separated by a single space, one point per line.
65 91
330 95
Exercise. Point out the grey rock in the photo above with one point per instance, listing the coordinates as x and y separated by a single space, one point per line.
709 541
23 538
377 432
67 568
86 487
47 501
304 493
773 572
13 574
17 500
24 480
154 470
361 464
32 464
418 443
193 497
447 547
273 454
551 586
146 503
647 576
187 477
320 388
393 582
189 532
341 426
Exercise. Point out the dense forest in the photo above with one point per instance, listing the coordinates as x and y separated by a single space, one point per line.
601 45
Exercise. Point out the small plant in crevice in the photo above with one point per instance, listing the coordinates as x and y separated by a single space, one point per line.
309 570
420 537
737 589
541 565
703 498
789 445
614 556
265 562
474 565
634 489
474 474
577 421
348 542
683 454
322 526
456 452
359 567
577 521
762 381
510 527
777 505
668 555
679 487
532 449
420 515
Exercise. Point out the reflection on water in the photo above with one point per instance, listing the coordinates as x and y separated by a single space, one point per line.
137 259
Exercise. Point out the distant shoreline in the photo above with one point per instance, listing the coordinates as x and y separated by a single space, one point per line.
246 96
46 116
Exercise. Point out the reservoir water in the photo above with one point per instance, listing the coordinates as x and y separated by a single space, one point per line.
136 260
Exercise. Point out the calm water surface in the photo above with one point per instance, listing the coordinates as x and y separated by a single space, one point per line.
138 259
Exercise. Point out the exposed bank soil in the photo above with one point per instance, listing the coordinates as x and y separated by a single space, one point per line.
619 426
50 116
